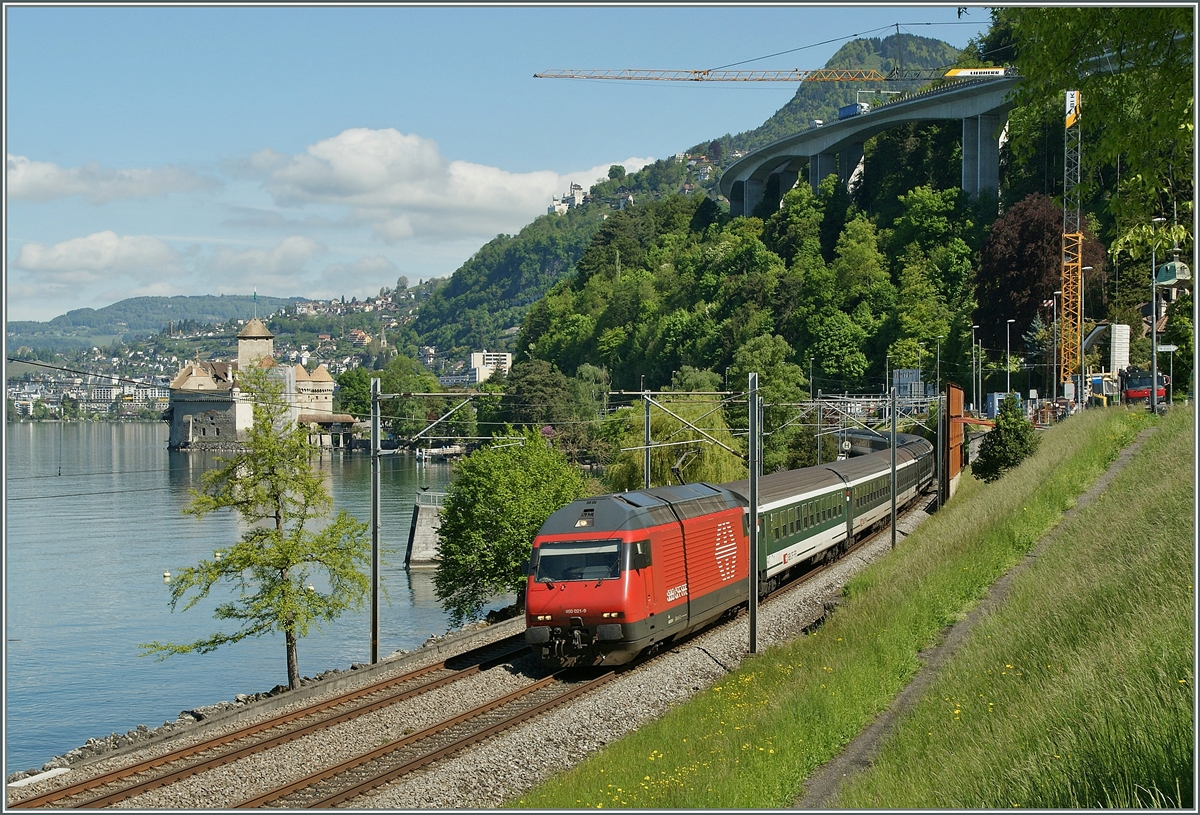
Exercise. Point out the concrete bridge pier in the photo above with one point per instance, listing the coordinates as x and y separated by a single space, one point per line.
848 161
819 166
981 154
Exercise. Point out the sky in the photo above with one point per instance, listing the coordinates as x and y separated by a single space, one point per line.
320 151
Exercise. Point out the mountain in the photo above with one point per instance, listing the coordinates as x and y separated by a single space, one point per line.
134 317
821 100
493 290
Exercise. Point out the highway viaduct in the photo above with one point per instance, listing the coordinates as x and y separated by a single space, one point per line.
983 106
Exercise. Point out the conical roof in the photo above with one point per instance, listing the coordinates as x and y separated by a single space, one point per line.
255 330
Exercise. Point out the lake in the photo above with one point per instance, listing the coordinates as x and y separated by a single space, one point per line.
93 517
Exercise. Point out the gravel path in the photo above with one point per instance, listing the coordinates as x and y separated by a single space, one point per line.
503 767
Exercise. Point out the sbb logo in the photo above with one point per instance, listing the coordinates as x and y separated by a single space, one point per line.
726 550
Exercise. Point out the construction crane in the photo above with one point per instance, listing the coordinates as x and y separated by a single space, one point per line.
1070 350
794 75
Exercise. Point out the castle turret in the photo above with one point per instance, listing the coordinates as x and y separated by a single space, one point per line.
254 342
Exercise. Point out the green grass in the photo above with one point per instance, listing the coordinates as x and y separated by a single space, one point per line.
1079 692
751 740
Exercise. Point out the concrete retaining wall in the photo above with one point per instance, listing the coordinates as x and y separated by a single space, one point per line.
423 538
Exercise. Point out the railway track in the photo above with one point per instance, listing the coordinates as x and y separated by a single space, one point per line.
125 782
371 770
368 771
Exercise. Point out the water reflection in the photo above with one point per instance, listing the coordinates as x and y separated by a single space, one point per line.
84 556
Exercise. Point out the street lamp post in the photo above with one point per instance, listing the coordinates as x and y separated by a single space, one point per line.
1154 320
941 418
1007 360
920 348
1082 358
974 393
1054 376
939 366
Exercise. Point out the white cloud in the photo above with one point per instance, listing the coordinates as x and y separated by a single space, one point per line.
96 257
256 165
288 258
362 278
403 187
45 181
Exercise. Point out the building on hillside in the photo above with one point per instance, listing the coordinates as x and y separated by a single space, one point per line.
483 364
207 410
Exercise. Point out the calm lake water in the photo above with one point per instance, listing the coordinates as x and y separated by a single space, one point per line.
93 517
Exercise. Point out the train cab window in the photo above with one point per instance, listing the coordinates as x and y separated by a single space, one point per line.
578 560
637 555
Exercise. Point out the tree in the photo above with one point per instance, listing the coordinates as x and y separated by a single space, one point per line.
1021 266
780 383
679 463
616 172
354 392
279 497
499 498
1180 332
1009 443
537 393
1133 69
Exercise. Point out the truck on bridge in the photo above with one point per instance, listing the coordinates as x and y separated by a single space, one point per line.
847 111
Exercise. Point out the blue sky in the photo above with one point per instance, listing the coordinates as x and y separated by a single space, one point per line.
322 151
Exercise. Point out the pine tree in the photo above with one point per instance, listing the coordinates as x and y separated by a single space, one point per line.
279 496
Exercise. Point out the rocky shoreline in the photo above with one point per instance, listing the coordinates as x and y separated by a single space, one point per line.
96 748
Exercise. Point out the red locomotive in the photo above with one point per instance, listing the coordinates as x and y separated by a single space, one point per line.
616 575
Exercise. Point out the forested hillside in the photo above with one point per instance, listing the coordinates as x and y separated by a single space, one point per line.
493 290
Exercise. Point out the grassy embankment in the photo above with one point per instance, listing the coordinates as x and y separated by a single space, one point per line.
751 740
1079 692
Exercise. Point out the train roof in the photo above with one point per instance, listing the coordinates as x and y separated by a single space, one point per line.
786 485
640 509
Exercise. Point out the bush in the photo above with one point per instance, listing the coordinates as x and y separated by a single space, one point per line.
1011 441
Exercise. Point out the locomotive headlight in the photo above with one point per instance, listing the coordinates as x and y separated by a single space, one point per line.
543 618
613 614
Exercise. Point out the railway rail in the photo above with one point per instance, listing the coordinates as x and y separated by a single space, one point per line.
364 773
125 782
371 770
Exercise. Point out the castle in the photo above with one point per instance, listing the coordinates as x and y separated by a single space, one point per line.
208 412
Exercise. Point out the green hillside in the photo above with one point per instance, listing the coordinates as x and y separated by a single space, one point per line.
493 290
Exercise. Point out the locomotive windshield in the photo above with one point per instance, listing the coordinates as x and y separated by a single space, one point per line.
1141 379
578 560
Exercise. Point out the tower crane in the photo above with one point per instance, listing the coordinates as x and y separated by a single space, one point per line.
1070 351
794 75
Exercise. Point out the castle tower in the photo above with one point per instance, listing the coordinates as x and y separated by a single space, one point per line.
254 341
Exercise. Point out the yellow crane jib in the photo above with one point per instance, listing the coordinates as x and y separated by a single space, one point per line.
794 75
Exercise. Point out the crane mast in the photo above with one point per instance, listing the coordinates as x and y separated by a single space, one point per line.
1071 335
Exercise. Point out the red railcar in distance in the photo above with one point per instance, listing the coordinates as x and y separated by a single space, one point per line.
616 575
1136 386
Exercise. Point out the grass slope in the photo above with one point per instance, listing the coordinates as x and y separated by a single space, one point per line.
751 740
1079 692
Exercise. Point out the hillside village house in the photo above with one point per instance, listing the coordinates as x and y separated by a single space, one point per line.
208 411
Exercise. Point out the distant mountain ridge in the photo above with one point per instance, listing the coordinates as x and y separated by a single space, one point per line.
138 316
